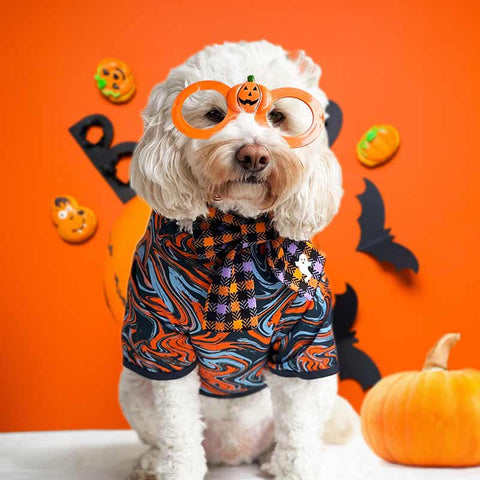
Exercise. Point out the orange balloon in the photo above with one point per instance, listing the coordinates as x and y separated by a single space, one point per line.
125 234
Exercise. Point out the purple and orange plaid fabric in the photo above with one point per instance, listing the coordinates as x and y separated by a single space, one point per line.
225 238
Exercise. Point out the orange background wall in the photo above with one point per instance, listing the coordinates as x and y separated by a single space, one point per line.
410 63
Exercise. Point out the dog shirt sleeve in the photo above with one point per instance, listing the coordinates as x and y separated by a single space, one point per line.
304 346
152 345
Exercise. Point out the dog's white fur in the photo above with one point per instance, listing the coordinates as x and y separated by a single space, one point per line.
178 176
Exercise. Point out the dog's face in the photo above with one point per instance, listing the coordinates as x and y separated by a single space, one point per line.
245 167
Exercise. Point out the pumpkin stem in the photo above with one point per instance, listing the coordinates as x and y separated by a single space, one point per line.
437 357
250 78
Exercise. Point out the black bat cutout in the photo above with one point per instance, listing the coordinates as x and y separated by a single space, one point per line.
375 239
333 123
354 363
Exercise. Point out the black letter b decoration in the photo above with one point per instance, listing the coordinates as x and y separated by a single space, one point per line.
104 157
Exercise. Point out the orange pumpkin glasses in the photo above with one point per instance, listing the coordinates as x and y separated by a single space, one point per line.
249 97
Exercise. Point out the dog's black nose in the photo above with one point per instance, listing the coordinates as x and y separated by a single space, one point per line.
253 157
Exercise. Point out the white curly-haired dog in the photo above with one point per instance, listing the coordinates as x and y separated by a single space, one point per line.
281 426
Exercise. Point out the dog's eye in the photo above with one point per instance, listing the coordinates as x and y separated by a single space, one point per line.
276 118
215 115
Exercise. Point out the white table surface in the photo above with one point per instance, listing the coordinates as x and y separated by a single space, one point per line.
109 454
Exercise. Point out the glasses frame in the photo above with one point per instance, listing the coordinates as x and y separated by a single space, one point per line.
266 99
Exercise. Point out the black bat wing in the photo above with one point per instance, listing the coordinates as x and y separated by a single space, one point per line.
333 123
374 238
344 312
398 255
372 218
356 364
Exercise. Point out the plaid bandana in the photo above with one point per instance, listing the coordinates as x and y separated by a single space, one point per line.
225 238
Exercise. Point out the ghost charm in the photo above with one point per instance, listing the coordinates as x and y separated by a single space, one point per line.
303 265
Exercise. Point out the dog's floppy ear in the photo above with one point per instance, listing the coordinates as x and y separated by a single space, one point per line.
310 73
306 66
159 171
310 209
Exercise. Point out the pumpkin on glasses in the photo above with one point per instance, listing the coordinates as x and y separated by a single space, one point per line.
429 418
249 95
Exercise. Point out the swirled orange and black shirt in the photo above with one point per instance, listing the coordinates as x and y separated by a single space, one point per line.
164 335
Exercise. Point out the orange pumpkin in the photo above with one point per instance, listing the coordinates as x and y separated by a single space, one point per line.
426 418
249 95
378 145
125 234
115 80
75 224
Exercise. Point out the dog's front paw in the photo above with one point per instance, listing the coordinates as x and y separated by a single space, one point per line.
293 464
157 465
139 474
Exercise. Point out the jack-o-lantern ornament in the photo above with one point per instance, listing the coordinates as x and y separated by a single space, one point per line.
378 145
74 223
249 95
115 80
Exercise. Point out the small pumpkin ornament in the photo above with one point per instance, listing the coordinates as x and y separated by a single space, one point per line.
378 145
115 80
249 95
75 224
429 418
